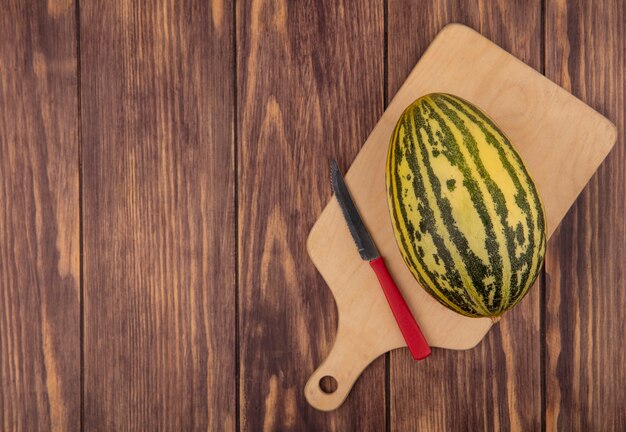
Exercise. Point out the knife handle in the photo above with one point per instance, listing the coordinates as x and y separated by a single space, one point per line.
413 336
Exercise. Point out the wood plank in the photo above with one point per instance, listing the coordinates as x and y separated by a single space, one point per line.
39 218
310 88
585 288
158 170
497 384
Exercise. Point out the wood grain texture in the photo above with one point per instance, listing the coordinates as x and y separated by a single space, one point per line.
585 280
310 86
158 199
496 385
39 218
157 91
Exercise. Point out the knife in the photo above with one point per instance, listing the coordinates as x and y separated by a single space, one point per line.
413 336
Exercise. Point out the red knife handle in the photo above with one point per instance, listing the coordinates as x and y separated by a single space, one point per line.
413 336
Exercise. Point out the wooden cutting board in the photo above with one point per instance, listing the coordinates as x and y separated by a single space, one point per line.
562 141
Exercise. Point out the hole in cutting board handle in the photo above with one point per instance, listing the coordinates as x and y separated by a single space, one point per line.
328 384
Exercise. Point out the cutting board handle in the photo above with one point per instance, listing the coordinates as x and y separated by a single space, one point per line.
345 363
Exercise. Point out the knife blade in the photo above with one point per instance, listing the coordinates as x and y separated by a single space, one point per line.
360 235
415 340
